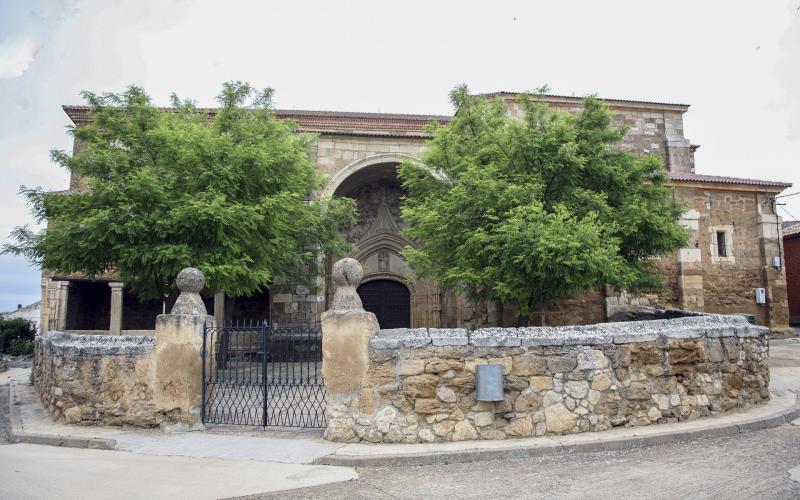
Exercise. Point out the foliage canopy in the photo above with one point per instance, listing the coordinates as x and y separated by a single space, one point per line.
527 211
230 194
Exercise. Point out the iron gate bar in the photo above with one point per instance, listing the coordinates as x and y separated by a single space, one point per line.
255 373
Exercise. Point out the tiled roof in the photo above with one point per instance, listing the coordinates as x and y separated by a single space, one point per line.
675 176
792 232
327 122
621 102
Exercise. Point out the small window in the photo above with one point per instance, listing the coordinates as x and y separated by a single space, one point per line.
722 249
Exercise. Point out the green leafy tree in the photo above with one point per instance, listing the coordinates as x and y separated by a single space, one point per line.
231 194
528 211
16 336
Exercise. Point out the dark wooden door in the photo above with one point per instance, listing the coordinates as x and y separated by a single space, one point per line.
389 300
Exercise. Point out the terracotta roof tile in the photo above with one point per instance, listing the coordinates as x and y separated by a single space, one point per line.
328 122
675 176
791 232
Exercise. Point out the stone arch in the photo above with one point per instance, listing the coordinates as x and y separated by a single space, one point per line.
379 159
384 237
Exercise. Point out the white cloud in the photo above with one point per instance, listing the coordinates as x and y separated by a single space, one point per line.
16 57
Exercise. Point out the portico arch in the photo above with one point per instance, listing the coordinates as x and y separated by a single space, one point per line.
358 165
377 235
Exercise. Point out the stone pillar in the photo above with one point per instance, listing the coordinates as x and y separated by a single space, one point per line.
63 302
115 321
178 351
774 278
219 308
44 313
691 293
346 330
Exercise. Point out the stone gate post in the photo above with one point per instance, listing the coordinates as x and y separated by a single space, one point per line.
178 361
346 330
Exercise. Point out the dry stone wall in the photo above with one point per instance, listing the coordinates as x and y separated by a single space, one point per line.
420 383
97 379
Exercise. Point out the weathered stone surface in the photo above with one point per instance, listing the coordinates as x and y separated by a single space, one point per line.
464 431
559 419
528 401
431 406
551 398
561 364
541 383
420 386
591 359
443 428
446 394
413 366
529 364
521 426
577 389
483 418
637 391
601 382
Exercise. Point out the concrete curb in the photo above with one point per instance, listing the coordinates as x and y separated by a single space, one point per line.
550 448
18 435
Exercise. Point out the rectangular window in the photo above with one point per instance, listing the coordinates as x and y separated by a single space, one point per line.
722 250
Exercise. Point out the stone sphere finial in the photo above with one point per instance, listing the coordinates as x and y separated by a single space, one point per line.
190 281
347 272
346 275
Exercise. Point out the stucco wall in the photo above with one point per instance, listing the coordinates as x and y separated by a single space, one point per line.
97 379
420 384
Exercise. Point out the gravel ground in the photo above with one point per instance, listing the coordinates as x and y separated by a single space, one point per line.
754 465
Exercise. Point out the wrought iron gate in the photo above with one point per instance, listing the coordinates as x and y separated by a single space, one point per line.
260 374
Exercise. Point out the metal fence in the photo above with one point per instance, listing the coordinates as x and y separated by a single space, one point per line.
261 374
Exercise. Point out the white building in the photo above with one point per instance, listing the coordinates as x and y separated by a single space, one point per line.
30 312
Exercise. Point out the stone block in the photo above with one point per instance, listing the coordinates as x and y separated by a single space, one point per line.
494 337
591 359
448 336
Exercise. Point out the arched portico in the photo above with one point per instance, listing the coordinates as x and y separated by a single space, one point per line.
377 235
334 185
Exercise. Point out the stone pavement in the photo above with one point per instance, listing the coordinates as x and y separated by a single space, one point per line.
33 424
102 474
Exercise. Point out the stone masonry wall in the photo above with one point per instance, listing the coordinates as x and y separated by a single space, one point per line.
97 379
420 385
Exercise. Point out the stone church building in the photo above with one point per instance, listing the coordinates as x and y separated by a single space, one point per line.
734 250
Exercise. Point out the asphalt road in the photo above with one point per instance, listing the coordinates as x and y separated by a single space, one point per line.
755 465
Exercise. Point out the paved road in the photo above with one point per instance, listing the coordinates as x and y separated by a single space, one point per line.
751 466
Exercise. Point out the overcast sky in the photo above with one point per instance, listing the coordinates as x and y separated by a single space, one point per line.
736 62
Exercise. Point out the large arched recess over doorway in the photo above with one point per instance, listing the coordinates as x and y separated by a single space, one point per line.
377 236
389 300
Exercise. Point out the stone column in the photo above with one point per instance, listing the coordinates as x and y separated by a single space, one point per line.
44 312
219 308
774 278
115 321
63 299
691 294
178 351
346 330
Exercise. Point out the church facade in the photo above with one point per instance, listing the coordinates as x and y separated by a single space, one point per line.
734 253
